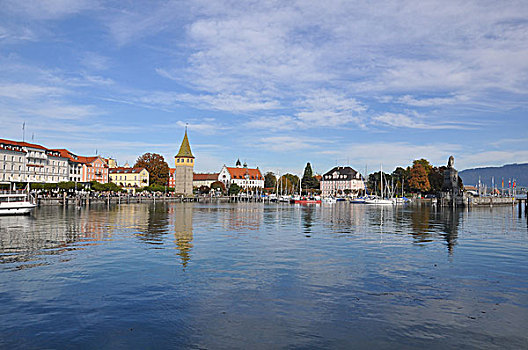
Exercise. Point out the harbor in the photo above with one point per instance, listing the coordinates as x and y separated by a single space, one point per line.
202 275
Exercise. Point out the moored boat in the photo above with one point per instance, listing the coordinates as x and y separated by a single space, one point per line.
358 200
378 201
16 203
329 200
306 200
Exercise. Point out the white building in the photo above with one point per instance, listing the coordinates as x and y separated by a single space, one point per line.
204 179
26 162
247 178
341 180
75 166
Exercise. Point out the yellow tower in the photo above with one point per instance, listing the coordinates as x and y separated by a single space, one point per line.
183 172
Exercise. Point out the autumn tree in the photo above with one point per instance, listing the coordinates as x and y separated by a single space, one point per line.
419 180
156 166
425 163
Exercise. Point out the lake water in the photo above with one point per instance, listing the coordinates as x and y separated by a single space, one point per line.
259 276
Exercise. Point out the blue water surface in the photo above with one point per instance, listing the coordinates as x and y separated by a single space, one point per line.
264 276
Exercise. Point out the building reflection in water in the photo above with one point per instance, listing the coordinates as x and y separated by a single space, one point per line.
429 222
421 224
50 231
245 216
451 221
181 218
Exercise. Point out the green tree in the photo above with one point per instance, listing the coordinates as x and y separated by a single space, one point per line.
218 185
419 181
308 180
204 189
374 182
66 185
436 179
99 187
110 186
155 188
234 189
270 181
290 183
401 176
156 166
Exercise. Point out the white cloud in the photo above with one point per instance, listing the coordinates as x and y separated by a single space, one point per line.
290 143
416 121
95 61
431 101
393 154
28 91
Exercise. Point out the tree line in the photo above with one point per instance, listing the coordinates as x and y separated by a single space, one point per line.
421 177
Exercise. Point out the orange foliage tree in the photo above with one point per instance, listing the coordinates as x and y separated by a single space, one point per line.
419 180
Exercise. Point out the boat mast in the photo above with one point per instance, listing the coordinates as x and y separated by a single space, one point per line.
381 179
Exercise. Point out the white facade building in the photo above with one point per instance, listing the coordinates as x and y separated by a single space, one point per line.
26 162
246 178
341 180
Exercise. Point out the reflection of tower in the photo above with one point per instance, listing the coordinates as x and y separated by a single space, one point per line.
183 230
183 173
451 220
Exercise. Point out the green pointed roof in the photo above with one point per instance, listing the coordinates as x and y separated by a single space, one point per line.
185 148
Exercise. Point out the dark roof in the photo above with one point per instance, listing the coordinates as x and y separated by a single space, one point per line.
344 173
122 170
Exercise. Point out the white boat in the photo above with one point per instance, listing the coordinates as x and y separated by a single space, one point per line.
329 200
16 203
378 201
358 200
400 200
285 199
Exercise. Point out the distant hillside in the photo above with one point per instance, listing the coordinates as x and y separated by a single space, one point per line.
509 171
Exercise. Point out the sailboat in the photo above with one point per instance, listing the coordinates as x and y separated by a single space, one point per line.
305 199
361 200
379 200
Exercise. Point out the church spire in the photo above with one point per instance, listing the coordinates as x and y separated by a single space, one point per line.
185 148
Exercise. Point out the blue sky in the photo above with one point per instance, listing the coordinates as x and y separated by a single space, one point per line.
274 83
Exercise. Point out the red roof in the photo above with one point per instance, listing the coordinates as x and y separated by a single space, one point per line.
122 170
23 144
171 171
240 173
88 160
67 154
205 177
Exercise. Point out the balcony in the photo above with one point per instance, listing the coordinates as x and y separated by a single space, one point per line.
36 155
